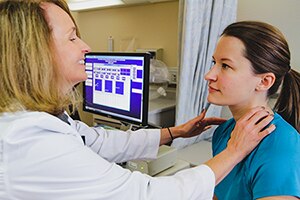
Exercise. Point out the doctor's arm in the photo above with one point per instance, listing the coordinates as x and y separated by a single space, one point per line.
120 146
280 198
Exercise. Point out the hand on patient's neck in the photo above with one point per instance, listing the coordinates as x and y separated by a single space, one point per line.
239 111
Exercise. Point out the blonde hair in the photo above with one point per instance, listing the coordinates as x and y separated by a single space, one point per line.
28 75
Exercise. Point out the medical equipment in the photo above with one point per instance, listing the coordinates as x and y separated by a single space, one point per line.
166 158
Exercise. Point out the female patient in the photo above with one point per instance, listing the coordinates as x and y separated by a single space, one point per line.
251 61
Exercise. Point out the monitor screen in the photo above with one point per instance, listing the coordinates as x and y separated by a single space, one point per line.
117 86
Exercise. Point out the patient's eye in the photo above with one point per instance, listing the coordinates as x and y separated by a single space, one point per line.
213 62
225 66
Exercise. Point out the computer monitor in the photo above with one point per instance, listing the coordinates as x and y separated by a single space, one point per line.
117 86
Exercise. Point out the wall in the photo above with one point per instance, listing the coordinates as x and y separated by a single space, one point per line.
284 14
75 16
156 25
152 26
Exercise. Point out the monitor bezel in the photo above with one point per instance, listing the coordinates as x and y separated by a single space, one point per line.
145 95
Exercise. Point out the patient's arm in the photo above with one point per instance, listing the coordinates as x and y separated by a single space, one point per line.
279 198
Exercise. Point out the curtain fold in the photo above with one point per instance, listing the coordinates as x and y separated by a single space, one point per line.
200 24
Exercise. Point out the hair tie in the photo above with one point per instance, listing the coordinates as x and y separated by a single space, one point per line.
290 69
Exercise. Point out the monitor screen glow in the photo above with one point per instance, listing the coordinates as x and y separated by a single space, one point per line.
117 86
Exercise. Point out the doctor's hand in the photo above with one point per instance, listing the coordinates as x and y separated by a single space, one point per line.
197 125
250 130
246 135
191 128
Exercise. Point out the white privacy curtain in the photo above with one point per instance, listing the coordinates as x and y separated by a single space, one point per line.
201 23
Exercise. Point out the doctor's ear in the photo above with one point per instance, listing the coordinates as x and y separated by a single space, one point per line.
266 82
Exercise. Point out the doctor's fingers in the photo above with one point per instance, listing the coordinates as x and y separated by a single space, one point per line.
199 117
213 121
198 131
263 126
253 114
253 130
252 120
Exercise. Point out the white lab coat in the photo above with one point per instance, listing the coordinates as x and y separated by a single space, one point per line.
44 158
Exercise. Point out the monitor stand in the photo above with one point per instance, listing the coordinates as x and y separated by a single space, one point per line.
109 123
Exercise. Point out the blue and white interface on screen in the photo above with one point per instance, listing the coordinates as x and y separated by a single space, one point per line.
115 86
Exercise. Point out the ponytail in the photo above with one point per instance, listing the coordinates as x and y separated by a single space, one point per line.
288 102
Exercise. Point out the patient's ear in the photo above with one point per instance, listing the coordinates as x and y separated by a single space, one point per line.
266 82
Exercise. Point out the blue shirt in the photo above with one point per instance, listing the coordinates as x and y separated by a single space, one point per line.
271 169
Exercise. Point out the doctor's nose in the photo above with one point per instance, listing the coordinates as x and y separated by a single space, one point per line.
84 47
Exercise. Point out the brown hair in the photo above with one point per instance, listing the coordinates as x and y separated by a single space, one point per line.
268 51
28 75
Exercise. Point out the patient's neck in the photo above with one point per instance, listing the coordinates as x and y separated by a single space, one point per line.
239 111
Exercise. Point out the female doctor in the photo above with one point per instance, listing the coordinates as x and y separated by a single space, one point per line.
42 155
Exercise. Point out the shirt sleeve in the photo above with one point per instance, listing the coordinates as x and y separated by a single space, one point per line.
120 146
54 166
